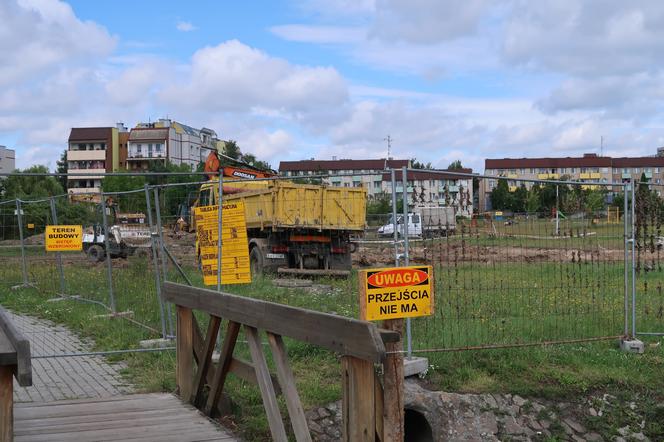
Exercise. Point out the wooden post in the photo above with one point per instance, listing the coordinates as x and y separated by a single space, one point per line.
393 402
358 402
6 403
184 353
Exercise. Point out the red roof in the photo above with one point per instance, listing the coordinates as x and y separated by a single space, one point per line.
515 163
323 165
89 134
412 175
638 162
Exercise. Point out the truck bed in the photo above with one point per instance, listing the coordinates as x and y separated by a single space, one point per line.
285 204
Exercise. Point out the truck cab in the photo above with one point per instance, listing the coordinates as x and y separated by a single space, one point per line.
414 226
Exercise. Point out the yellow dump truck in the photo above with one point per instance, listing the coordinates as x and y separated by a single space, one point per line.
296 228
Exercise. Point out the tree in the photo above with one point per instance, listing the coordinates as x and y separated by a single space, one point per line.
455 165
501 198
519 199
231 149
417 165
62 167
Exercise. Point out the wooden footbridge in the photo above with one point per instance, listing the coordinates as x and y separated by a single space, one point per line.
372 406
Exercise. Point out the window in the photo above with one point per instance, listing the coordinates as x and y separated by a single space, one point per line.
656 169
625 170
636 170
204 198
605 170
138 148
573 170
377 184
157 147
416 219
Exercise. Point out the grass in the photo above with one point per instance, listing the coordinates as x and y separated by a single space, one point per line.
476 305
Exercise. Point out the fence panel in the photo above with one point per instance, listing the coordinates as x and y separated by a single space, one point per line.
648 310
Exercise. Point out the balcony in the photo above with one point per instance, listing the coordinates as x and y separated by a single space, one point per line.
86 155
89 174
589 187
547 176
512 175
512 188
595 175
146 156
626 175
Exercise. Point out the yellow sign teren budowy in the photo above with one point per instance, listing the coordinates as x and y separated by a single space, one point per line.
396 292
63 238
235 245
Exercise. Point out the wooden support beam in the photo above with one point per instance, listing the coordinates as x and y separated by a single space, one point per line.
205 361
6 403
265 385
246 371
184 352
358 405
379 407
225 357
342 335
287 380
393 401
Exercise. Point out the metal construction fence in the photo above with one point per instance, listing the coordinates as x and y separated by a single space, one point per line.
562 262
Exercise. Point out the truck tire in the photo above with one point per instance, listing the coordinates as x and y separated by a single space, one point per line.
95 253
256 262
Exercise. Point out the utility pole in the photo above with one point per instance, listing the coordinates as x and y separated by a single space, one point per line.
601 145
389 148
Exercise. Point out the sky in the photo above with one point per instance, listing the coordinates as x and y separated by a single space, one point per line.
301 79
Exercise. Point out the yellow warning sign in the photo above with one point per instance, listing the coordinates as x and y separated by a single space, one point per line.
234 244
396 292
63 238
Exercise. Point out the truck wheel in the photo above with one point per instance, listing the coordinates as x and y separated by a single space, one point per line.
95 253
256 262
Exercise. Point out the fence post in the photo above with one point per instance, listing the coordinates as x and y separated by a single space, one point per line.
626 262
219 223
24 267
155 260
394 218
406 247
633 262
162 247
58 255
109 268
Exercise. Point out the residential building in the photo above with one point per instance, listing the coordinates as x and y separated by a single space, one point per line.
440 188
91 151
7 160
591 170
345 173
167 140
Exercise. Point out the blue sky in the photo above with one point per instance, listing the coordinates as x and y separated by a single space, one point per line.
312 78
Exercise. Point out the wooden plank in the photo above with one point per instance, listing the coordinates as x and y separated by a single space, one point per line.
358 404
265 385
227 348
244 370
205 360
184 352
85 409
90 401
287 380
23 372
6 403
7 351
393 402
378 399
345 336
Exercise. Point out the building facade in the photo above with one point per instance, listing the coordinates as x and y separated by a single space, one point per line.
435 188
424 188
7 159
592 171
91 152
345 173
167 140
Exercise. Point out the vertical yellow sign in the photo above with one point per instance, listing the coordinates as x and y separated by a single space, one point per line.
235 267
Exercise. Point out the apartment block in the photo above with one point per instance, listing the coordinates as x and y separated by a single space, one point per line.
167 140
345 173
91 152
7 159
440 188
591 170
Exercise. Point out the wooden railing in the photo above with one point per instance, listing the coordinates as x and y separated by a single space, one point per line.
360 344
14 362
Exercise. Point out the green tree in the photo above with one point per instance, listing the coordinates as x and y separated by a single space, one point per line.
62 167
417 165
519 199
501 198
455 165
231 149
533 200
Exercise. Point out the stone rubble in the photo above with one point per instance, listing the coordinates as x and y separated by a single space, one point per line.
487 417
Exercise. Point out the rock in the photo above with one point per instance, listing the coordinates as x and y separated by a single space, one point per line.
575 425
593 437
518 400
624 431
592 411
639 436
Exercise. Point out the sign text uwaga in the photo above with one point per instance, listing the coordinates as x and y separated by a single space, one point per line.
235 246
63 238
397 292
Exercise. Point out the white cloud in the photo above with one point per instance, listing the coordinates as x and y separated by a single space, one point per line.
235 77
40 34
185 26
320 33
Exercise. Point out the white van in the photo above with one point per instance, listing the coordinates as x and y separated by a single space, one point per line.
423 222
